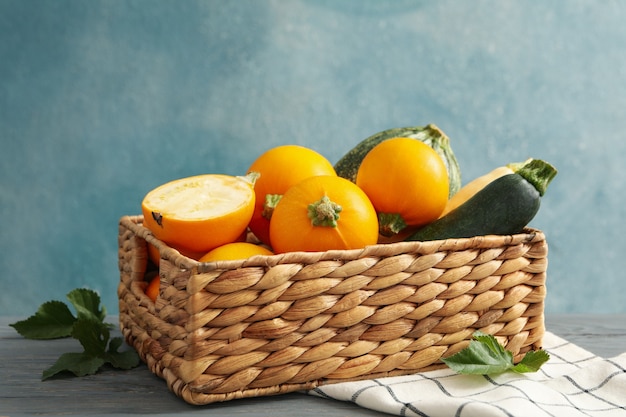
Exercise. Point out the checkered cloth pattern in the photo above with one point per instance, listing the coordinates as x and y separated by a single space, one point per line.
574 382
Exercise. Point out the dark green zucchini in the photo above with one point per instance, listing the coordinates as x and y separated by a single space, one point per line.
504 207
348 166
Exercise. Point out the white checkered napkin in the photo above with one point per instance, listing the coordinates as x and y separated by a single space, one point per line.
574 382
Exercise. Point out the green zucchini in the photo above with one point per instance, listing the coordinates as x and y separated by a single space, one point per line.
348 166
505 206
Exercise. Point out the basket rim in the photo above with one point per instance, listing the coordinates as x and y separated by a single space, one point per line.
379 250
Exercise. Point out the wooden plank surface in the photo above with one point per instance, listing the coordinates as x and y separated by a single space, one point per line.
604 335
138 391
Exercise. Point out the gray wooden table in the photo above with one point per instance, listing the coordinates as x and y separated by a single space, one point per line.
137 392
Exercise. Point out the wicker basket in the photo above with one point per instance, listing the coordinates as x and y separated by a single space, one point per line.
276 324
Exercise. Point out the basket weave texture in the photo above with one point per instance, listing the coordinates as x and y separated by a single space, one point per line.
275 324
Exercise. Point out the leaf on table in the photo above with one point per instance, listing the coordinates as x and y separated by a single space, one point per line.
485 355
80 364
52 320
477 358
491 343
532 361
87 304
123 360
115 344
93 335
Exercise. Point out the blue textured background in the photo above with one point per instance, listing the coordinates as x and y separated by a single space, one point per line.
100 101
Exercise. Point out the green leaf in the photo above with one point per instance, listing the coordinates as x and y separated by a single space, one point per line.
122 360
478 358
114 344
80 364
52 320
532 361
485 355
492 344
93 335
87 304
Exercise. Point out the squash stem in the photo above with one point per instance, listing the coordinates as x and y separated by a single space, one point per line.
440 142
537 172
390 224
324 212
271 200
